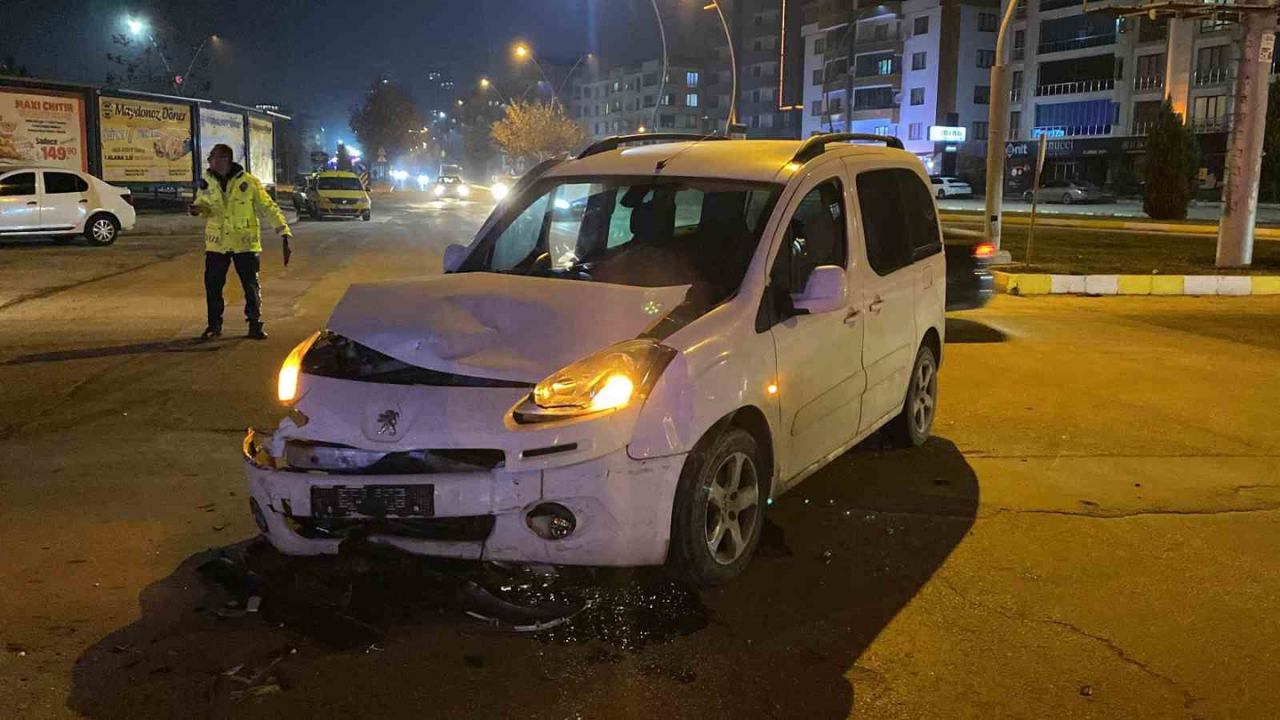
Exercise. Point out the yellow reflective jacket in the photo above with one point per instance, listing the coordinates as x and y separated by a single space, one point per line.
233 214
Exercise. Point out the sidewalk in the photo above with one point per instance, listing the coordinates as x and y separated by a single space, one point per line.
1268 213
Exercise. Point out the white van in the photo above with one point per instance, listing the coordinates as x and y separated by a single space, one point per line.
639 350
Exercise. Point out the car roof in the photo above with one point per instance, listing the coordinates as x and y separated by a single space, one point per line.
751 160
336 173
8 167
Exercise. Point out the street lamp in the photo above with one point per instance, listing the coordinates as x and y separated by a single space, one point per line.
135 26
733 62
486 84
522 52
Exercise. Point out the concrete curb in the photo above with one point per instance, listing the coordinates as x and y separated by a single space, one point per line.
1231 285
1265 233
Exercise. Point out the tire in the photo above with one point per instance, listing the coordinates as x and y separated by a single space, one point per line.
1026 196
102 230
366 215
912 426
1066 199
942 194
730 463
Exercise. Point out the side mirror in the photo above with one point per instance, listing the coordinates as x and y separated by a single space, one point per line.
824 291
453 257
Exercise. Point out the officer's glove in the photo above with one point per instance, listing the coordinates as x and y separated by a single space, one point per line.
287 252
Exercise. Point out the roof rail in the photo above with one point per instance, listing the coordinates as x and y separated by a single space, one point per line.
814 146
614 141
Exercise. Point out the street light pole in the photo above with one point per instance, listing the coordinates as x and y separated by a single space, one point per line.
997 130
733 63
186 76
662 80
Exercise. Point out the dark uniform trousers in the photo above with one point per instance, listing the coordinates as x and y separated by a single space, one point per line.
215 276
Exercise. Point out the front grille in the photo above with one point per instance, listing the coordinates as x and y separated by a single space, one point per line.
344 460
335 356
476 528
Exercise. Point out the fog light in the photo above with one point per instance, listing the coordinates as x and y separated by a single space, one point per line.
552 521
258 516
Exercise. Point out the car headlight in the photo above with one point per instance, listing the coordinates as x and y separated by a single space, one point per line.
287 382
499 190
611 379
463 190
439 190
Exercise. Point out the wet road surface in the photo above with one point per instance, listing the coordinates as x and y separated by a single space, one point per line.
1090 534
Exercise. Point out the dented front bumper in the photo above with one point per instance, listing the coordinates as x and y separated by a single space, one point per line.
621 508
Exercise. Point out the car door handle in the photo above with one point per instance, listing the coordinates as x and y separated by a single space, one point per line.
876 305
33 202
84 202
851 318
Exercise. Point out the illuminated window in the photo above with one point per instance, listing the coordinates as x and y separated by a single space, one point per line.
691 100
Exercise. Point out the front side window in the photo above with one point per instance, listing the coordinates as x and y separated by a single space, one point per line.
816 235
19 184
57 183
645 232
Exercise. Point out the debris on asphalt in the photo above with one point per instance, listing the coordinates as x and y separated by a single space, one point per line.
827 555
491 609
1086 690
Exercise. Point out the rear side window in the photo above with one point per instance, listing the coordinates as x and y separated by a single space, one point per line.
20 184
56 183
898 219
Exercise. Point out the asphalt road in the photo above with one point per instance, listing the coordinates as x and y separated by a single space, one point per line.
1091 534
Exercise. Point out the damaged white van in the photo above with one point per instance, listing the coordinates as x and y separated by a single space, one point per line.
641 348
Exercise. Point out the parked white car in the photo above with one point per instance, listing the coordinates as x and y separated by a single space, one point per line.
945 186
628 384
60 202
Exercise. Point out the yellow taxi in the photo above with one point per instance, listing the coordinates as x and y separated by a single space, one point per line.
332 192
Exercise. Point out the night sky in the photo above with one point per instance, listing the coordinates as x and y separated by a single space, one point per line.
317 56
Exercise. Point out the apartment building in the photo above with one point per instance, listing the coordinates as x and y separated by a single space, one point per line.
853 67
1093 83
621 100
770 58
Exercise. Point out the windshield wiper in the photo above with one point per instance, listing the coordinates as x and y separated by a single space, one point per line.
566 274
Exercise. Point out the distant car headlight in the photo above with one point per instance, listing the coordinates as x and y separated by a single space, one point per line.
438 190
611 379
499 190
287 382
464 191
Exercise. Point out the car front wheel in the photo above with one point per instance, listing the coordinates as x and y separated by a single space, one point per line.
942 194
101 229
719 509
366 215
1067 199
912 426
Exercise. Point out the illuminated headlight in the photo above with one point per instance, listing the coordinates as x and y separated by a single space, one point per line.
464 191
611 379
439 190
287 383
499 190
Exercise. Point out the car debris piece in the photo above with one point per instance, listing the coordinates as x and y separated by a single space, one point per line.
491 609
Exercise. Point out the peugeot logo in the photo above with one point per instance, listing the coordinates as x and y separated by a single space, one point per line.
387 422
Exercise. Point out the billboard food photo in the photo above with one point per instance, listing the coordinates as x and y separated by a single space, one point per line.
145 141
42 126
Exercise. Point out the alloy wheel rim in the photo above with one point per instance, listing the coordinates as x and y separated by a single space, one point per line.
102 230
733 508
925 388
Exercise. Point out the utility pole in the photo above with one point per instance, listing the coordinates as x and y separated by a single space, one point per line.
997 131
1245 146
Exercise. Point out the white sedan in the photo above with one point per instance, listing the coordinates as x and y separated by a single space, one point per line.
945 186
62 203
626 383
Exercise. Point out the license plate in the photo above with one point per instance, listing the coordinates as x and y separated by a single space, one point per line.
374 501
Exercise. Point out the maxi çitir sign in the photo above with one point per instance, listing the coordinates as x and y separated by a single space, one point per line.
42 127
145 141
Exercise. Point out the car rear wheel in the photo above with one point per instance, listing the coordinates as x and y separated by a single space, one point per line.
101 229
912 426
942 194
1066 199
719 508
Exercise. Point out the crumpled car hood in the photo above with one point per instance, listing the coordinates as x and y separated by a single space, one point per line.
502 327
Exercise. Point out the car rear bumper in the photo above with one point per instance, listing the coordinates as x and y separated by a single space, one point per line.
621 508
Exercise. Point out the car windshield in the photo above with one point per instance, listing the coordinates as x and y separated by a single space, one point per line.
646 232
339 183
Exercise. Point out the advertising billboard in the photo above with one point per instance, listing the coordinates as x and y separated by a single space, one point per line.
947 134
262 150
144 141
218 127
42 126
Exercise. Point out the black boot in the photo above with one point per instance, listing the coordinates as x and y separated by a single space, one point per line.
256 332
211 332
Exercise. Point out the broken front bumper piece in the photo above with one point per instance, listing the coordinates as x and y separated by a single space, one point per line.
611 510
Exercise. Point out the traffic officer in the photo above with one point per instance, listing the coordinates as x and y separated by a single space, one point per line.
234 200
